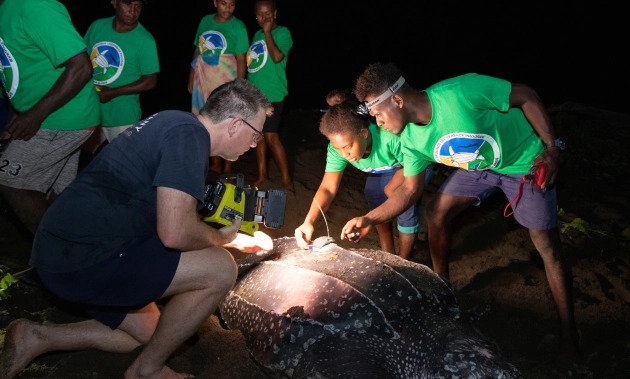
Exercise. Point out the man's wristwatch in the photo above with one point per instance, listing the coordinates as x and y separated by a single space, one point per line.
557 143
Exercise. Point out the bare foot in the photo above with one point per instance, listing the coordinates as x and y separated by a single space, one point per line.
260 183
570 342
22 343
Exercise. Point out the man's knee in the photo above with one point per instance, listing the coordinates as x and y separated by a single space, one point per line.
435 213
547 242
444 208
224 271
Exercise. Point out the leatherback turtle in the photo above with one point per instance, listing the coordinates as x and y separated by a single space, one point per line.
338 313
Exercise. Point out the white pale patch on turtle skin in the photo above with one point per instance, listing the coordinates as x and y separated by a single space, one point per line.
309 342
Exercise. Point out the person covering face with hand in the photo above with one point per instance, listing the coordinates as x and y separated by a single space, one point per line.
266 67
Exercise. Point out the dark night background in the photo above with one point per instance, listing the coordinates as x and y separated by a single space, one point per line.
568 51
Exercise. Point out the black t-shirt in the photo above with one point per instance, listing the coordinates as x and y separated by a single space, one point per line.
114 199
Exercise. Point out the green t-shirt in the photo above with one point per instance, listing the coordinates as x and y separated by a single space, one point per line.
269 77
117 60
385 156
216 38
36 38
472 127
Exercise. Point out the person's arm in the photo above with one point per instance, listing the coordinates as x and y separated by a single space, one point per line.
191 74
241 66
527 99
144 84
402 197
276 54
323 198
10 114
78 70
394 183
179 227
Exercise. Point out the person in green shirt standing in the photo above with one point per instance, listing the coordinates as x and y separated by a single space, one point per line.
267 69
494 133
46 72
220 43
124 65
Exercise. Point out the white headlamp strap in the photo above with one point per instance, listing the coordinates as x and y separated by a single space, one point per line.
388 92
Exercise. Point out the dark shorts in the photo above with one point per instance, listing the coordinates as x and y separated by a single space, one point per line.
535 210
137 275
272 124
408 221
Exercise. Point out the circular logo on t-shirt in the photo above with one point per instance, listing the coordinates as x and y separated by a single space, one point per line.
108 62
468 151
9 72
211 45
256 56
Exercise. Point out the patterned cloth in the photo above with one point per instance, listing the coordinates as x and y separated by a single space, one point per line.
207 78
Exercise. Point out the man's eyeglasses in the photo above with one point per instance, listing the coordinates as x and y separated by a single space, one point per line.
256 136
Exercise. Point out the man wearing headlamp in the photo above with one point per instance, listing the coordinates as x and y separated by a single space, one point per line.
493 132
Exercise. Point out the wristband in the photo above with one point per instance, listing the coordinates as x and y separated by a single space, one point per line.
558 143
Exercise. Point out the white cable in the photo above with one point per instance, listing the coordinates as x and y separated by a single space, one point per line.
323 215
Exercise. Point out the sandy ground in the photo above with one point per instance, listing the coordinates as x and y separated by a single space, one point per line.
494 265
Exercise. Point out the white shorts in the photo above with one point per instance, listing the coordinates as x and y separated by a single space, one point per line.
111 132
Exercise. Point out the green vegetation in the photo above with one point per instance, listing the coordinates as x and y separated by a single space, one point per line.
581 226
5 282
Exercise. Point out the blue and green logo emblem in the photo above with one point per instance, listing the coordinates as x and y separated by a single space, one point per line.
211 45
256 56
108 62
468 151
9 72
